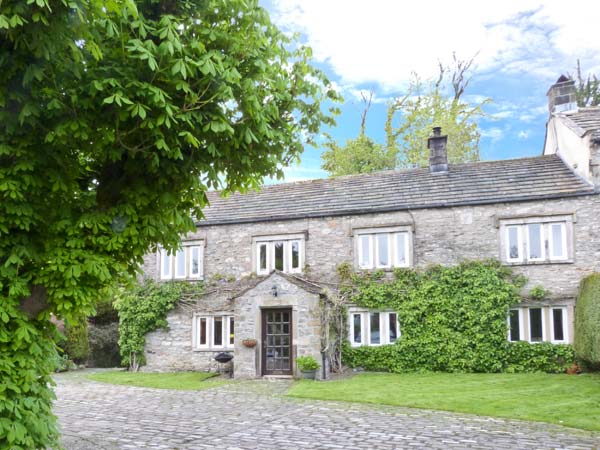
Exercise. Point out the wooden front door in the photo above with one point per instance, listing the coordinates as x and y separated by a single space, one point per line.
277 342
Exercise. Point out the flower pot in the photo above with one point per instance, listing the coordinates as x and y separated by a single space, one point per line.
250 343
308 374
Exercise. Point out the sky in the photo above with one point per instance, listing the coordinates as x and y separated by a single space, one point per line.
520 48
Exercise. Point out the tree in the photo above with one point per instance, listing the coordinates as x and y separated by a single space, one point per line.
115 118
359 155
427 105
588 89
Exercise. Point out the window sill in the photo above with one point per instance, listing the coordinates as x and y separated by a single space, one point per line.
538 263
213 350
181 279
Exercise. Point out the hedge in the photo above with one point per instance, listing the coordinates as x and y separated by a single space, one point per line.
587 322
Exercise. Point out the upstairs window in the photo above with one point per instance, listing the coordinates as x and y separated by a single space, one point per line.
186 263
284 253
373 327
382 249
536 241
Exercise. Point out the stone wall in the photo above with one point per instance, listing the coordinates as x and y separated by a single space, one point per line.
441 236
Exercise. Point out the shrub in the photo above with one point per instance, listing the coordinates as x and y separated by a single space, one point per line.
587 322
76 343
104 345
307 363
539 357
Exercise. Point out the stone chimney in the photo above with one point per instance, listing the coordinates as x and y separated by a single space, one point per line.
438 155
562 96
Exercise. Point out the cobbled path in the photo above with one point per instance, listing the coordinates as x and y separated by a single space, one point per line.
255 415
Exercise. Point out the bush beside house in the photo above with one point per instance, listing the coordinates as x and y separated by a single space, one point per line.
453 319
587 323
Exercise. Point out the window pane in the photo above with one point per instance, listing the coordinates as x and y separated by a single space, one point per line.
513 243
231 330
375 332
218 331
165 261
393 331
180 264
535 241
279 256
262 258
383 257
356 329
557 240
514 324
535 325
203 331
557 324
195 261
365 260
401 249
295 254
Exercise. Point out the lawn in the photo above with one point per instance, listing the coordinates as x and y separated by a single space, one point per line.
568 400
182 381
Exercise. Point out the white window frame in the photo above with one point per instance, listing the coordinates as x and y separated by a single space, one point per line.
210 323
519 243
544 331
392 234
542 242
164 256
521 330
564 325
187 247
365 327
563 243
522 226
269 242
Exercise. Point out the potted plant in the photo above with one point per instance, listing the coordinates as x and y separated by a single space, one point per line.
308 366
249 342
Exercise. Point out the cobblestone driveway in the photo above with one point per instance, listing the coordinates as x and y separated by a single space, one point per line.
254 415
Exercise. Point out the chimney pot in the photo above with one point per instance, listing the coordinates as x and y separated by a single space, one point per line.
562 96
438 154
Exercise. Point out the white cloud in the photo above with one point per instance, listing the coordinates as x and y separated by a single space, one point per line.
383 41
523 134
494 133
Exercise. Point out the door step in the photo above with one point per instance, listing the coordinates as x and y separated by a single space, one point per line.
278 377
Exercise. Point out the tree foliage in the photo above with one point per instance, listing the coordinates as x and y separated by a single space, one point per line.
452 319
588 89
360 155
115 118
428 104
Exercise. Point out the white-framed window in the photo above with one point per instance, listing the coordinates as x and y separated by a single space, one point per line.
515 325
284 253
536 240
186 263
213 332
558 324
372 327
538 324
382 249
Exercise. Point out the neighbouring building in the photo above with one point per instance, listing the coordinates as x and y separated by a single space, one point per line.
271 255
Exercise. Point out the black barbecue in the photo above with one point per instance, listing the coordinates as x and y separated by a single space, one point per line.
223 358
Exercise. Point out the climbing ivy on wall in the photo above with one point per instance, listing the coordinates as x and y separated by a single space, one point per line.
143 308
453 319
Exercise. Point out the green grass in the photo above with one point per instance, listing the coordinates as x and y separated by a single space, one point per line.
182 381
568 400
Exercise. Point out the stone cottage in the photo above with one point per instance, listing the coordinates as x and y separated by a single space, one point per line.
271 255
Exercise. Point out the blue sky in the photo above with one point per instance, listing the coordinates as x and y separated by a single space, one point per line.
521 48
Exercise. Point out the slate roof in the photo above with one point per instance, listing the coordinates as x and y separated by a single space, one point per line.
584 120
543 177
